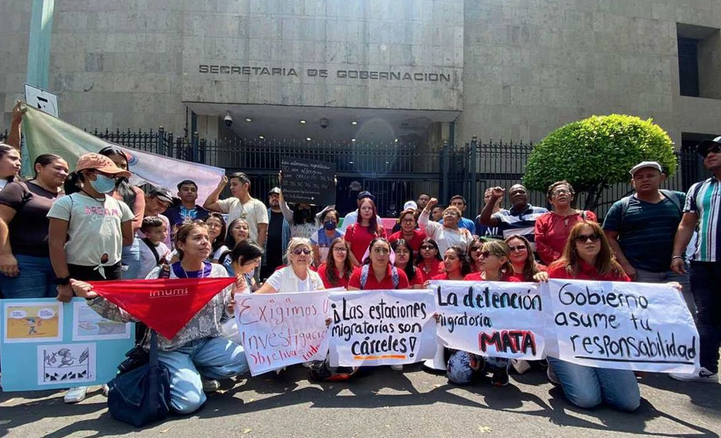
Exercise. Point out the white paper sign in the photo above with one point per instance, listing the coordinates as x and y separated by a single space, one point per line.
278 330
495 319
41 99
382 327
620 325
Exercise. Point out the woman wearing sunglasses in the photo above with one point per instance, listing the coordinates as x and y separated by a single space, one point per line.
429 259
377 271
337 268
588 256
494 263
524 264
552 228
297 276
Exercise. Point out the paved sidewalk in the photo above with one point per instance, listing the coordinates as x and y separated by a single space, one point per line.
386 404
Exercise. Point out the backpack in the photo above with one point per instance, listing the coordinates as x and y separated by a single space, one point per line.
365 270
671 196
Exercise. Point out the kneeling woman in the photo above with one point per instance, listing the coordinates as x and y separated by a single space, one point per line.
588 256
494 265
297 277
197 352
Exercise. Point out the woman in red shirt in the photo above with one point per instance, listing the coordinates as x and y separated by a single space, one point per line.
377 271
524 264
404 261
429 259
336 270
494 263
552 228
474 253
408 231
456 264
588 256
360 234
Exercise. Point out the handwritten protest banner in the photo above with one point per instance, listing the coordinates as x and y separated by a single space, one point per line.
278 330
308 181
491 318
382 327
637 326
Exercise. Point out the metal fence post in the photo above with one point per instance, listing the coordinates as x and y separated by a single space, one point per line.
201 150
160 141
194 148
473 193
169 144
444 170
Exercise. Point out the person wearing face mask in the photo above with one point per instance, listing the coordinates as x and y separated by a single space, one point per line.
322 238
87 230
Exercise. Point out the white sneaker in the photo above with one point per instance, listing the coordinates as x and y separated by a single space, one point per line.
75 395
703 375
397 367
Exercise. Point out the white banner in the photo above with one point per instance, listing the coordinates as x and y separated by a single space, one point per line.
279 330
495 319
620 325
382 327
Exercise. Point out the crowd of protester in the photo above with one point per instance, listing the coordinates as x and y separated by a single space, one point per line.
61 229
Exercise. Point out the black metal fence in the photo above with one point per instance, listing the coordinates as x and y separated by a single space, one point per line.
393 172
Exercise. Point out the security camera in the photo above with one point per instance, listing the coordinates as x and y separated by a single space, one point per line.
228 119
323 123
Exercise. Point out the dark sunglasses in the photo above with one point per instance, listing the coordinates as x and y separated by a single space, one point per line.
300 251
518 248
715 149
485 254
583 238
428 247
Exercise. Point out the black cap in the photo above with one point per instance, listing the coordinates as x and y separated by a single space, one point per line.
161 193
366 194
703 147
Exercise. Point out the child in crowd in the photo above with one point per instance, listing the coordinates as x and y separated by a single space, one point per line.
153 251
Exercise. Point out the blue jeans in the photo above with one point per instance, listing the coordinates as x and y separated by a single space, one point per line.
213 358
588 387
131 260
34 281
706 288
462 366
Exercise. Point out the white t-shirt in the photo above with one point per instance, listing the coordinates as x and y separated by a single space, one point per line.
147 258
253 211
219 252
276 280
94 227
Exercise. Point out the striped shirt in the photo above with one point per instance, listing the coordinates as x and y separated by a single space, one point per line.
704 199
514 222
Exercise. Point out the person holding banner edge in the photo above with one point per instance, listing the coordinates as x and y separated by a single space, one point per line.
197 355
588 256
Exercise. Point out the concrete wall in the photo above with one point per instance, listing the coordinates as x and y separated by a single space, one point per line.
532 66
227 44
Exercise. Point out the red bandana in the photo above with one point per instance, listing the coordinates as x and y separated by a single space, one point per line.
164 305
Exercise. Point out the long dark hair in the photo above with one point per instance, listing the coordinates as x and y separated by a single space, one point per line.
244 251
410 269
419 259
220 240
299 218
44 160
230 239
330 272
463 258
530 267
122 185
4 150
73 181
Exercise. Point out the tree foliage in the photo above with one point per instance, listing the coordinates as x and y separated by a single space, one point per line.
596 152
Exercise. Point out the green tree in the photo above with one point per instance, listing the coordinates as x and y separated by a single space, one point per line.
594 153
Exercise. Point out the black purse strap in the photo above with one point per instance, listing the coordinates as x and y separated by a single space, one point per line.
153 348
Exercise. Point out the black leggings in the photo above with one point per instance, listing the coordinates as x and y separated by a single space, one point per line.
89 273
